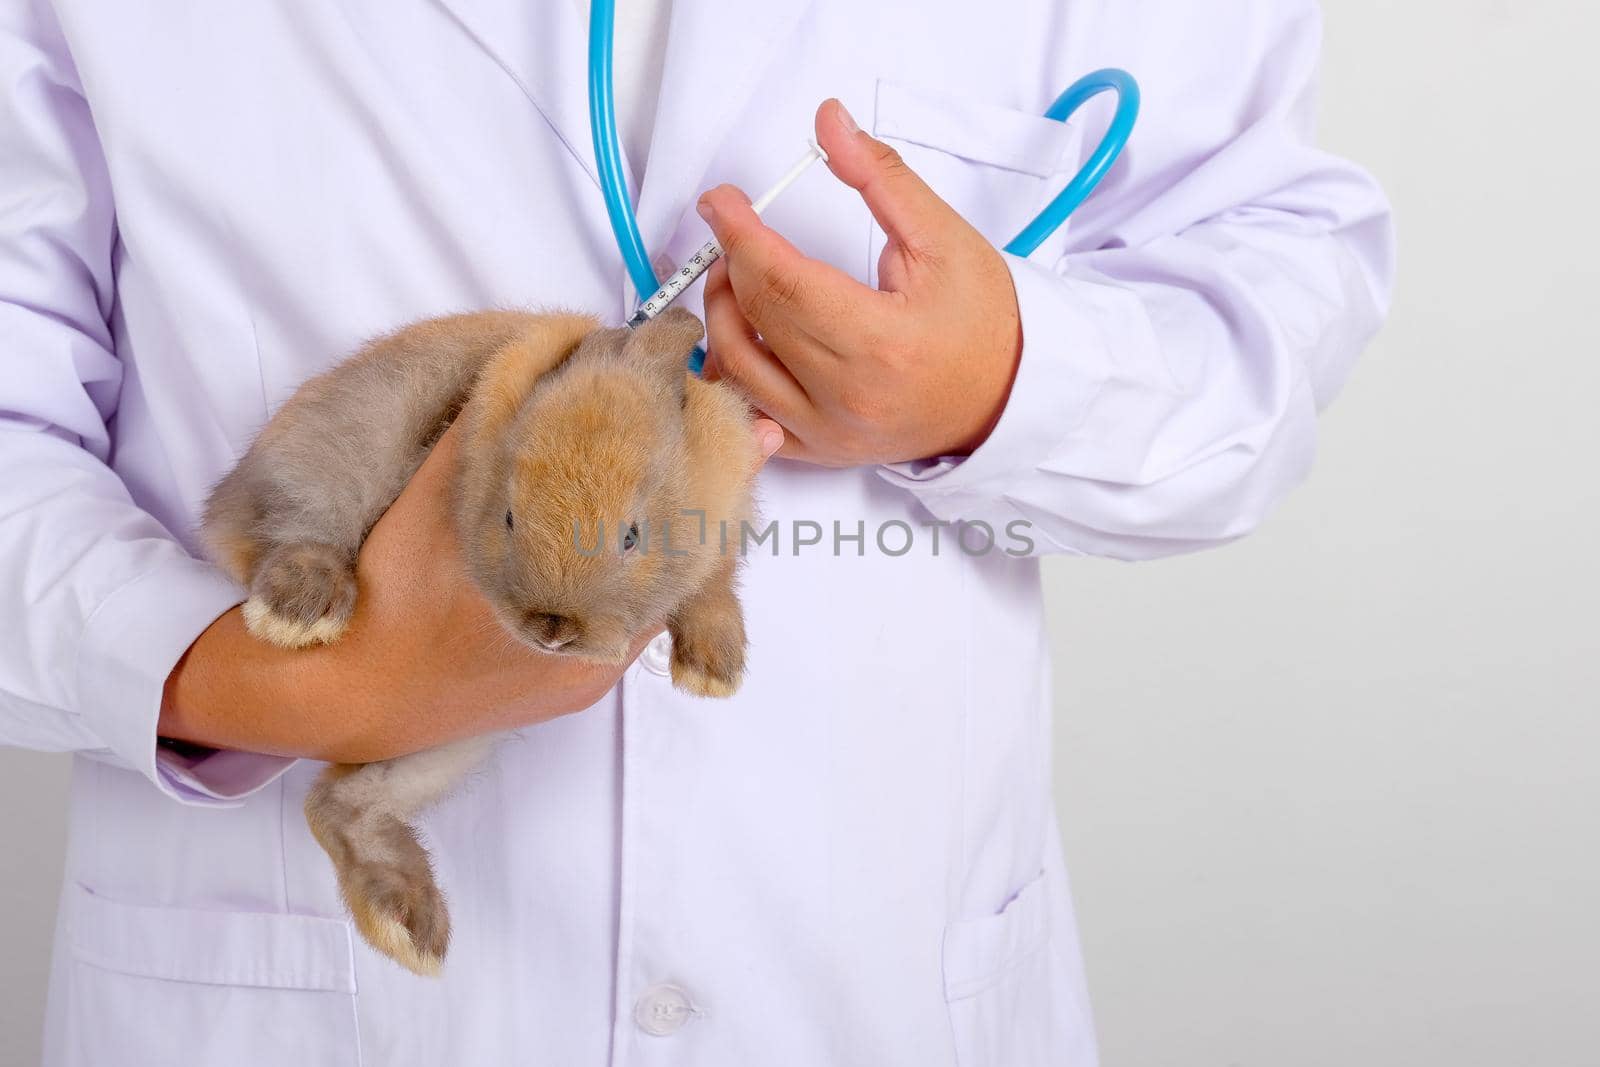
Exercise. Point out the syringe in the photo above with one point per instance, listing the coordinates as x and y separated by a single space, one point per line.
711 251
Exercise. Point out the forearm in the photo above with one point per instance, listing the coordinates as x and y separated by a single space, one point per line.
344 703
383 690
233 691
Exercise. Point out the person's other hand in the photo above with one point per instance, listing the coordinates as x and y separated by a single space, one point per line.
919 368
424 660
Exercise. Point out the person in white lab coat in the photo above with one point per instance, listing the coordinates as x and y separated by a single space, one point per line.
854 861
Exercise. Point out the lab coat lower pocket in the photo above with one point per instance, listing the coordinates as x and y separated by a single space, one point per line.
998 982
162 986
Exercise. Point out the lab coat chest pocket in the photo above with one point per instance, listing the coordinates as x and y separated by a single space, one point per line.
995 165
162 985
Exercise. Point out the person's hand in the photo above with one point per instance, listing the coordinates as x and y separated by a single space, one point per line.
917 369
423 661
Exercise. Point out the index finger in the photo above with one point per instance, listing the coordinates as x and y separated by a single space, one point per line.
787 295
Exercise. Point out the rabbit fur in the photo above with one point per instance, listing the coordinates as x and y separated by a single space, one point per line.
569 431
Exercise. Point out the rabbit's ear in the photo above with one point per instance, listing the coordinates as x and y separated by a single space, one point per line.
509 375
665 341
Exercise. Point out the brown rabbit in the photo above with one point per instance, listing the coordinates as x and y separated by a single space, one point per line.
594 474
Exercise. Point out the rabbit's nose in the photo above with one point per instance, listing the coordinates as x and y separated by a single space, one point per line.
550 631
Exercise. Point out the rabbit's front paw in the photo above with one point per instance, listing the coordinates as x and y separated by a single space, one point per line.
708 656
302 594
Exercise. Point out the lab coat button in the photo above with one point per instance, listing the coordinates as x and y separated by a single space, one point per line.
657 655
662 1010
664 267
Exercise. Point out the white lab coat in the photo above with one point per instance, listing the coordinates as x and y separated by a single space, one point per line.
854 861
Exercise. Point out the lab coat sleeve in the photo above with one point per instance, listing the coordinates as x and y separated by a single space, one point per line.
97 600
1223 283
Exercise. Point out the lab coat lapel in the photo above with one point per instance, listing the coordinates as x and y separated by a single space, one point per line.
716 51
543 45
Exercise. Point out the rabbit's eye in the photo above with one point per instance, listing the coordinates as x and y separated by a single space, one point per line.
630 540
511 523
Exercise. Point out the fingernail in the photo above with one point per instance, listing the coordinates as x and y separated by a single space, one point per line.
771 441
847 121
706 211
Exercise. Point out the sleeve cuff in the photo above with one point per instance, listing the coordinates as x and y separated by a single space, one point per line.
217 777
130 645
1058 375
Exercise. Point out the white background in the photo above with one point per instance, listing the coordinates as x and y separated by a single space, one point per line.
1330 795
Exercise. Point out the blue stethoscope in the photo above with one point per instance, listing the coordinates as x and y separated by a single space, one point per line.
625 227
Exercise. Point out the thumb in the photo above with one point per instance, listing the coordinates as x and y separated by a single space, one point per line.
910 212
